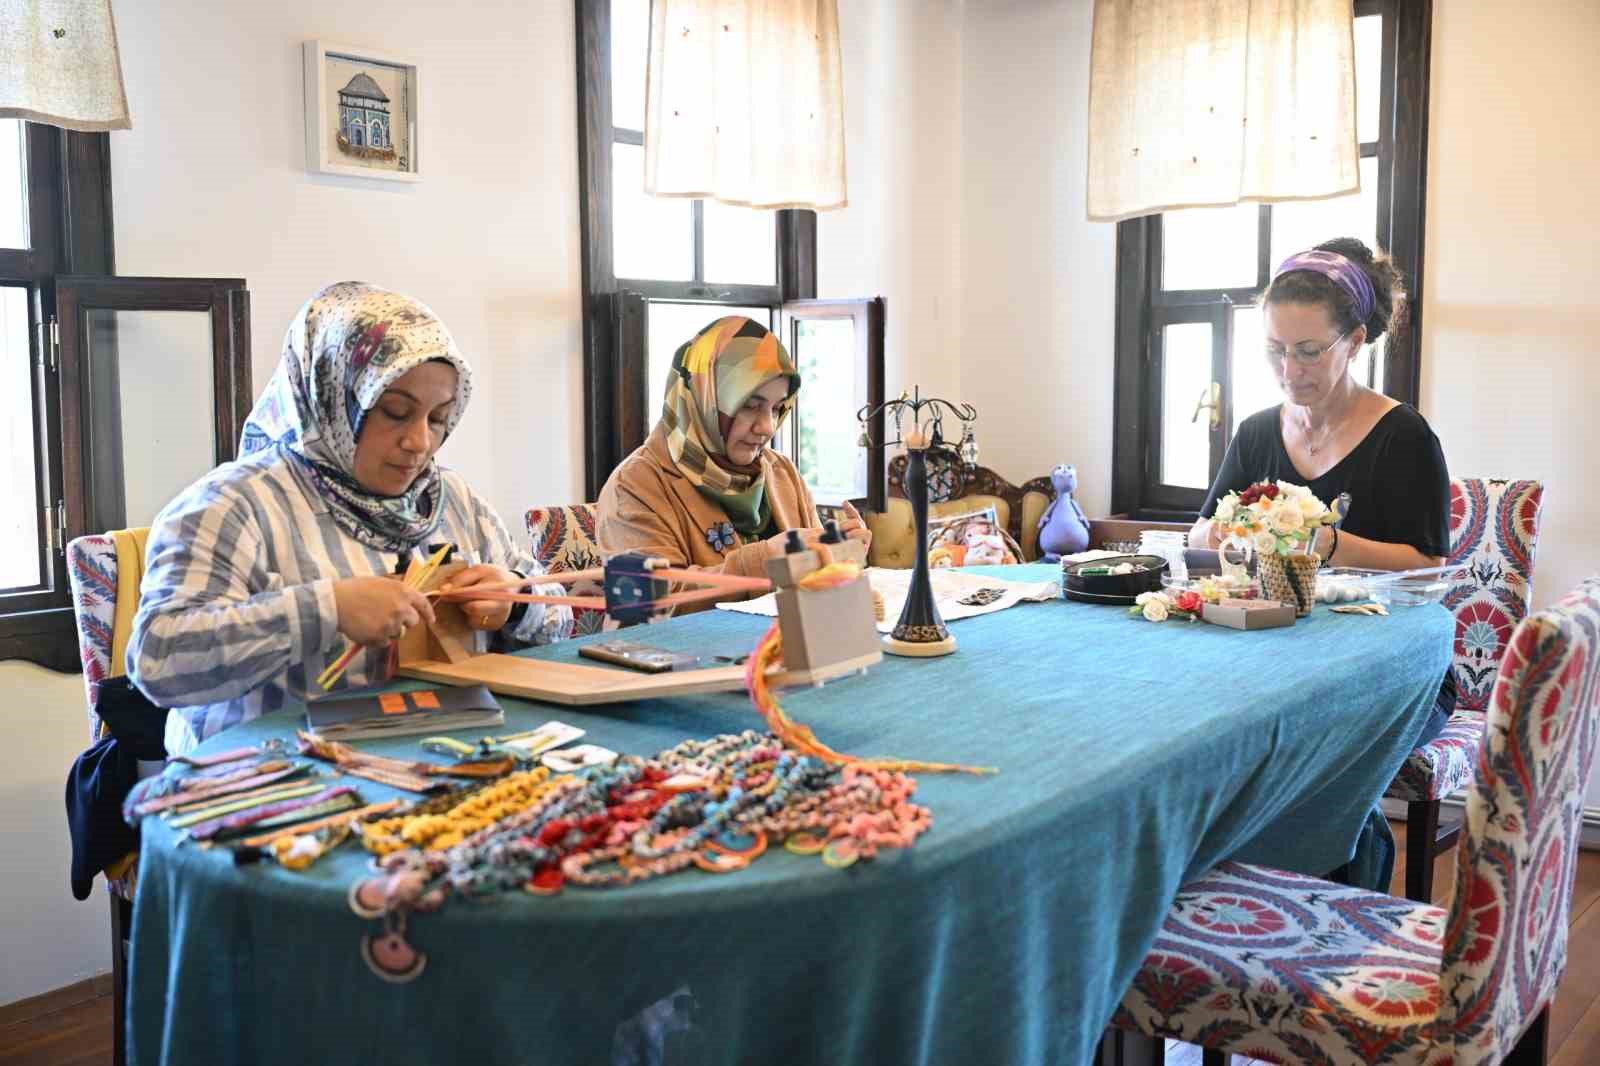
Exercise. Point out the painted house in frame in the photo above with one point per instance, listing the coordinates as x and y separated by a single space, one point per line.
364 120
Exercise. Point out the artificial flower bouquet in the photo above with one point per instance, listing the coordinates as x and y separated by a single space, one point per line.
1184 604
1273 518
1275 521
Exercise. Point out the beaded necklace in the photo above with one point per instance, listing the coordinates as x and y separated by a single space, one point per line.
711 804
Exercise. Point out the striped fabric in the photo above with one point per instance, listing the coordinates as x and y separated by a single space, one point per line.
237 610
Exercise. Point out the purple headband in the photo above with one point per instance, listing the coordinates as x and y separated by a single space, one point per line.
1341 271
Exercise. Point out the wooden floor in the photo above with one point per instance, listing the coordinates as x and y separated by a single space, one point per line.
75 1029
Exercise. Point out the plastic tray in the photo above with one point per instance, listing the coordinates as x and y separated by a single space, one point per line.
1393 588
1172 584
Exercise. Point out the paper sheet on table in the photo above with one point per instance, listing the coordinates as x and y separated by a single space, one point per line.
1091 555
950 587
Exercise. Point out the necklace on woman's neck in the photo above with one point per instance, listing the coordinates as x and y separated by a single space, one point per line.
1316 446
1330 425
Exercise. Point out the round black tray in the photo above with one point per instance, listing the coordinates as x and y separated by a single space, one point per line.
1112 588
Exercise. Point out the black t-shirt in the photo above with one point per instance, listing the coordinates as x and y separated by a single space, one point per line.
1396 477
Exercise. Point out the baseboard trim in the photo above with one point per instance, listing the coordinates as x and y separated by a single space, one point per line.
26 1010
1590 841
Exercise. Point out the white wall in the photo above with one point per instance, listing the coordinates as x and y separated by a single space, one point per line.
1511 341
1039 282
1509 373
212 181
900 237
47 938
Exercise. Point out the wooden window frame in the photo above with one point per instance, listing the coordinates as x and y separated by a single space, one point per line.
611 377
1142 308
69 270
70 231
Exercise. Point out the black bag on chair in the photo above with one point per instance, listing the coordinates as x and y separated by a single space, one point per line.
101 777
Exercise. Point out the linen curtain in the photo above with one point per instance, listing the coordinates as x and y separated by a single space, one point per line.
745 103
1196 103
59 64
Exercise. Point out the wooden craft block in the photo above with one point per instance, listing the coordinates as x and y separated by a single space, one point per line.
828 632
1249 614
786 570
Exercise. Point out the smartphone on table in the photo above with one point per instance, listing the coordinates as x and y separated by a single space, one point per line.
640 657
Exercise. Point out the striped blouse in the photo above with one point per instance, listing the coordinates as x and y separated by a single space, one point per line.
236 612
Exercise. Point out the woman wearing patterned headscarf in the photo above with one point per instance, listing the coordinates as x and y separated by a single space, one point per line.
705 490
255 572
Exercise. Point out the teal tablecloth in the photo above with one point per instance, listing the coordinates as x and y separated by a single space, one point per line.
1132 756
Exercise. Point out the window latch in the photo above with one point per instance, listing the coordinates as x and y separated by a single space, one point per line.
49 344
55 527
1210 398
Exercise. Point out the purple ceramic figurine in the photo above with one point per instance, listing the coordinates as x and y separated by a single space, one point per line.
1063 529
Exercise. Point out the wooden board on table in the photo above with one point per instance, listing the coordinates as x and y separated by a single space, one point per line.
572 683
577 685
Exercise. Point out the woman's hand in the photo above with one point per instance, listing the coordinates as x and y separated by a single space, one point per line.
779 543
1322 544
851 527
854 526
376 610
487 615
1205 534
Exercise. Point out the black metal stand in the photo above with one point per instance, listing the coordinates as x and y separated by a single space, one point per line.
920 631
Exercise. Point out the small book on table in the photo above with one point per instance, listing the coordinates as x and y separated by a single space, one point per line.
398 714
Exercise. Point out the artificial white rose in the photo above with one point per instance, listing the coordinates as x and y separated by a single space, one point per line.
1155 609
1311 507
1293 491
1225 510
1266 543
1145 597
1286 518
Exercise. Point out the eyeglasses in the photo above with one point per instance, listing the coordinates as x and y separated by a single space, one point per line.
1302 352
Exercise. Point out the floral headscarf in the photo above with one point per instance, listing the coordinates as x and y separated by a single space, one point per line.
348 344
712 376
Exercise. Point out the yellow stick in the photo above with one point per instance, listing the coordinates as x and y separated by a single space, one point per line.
415 578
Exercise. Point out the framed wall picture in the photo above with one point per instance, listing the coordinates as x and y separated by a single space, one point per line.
361 113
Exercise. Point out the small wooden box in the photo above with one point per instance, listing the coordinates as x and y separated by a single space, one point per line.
1249 614
826 632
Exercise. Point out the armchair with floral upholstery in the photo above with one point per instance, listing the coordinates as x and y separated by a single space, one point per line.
1287 968
1494 529
92 574
955 490
564 541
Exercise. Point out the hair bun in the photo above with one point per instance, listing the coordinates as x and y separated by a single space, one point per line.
1351 248
1388 288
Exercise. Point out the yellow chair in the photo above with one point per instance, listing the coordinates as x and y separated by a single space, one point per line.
104 571
953 490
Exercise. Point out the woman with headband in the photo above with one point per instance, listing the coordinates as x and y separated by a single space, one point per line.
1335 435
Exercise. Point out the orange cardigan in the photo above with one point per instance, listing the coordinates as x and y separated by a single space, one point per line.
648 506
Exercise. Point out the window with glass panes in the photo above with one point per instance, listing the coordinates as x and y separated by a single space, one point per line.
657 270
1190 362
92 367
